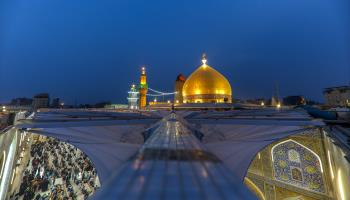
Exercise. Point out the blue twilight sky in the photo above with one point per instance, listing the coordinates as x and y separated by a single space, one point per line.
91 51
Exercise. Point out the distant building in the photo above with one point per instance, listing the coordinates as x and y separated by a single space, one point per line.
102 104
337 96
55 103
255 101
294 100
312 102
116 106
41 101
21 101
179 83
156 102
238 100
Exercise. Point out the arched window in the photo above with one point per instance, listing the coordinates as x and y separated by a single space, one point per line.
297 165
296 174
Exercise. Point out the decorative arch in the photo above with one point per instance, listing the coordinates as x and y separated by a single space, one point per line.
297 165
254 188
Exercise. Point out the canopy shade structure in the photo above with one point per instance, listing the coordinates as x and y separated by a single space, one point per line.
214 148
236 137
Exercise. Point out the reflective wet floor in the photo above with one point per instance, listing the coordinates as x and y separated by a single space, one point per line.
173 164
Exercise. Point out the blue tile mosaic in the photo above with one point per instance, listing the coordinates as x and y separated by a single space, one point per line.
296 165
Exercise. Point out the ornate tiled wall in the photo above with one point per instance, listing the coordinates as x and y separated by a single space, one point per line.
296 165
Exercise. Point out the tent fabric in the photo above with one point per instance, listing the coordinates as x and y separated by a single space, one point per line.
82 123
237 140
107 146
238 147
234 137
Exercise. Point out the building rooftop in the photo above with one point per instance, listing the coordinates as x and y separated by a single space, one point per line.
347 87
42 95
161 154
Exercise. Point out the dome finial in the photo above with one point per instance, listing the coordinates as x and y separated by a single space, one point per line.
204 59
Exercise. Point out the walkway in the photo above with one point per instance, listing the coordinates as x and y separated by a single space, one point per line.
173 164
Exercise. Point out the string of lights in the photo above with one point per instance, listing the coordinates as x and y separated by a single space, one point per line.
162 93
157 95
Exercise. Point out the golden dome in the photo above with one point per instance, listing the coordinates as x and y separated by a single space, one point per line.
206 85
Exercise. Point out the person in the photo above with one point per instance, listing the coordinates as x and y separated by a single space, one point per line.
53 159
38 197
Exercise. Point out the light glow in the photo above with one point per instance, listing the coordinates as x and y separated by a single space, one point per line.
278 105
13 175
7 168
3 163
340 185
330 165
204 59
162 93
250 183
143 71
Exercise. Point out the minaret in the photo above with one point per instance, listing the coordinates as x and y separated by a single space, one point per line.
143 88
133 97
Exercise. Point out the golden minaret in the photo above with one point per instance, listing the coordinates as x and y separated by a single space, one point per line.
143 88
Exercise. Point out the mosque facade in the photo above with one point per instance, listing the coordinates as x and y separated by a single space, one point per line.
204 85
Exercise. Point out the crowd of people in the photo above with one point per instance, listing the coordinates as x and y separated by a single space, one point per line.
57 171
